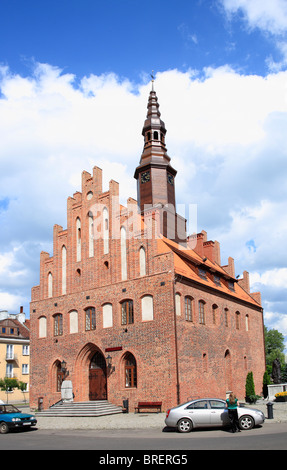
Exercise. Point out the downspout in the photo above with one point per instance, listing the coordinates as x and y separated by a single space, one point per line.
176 346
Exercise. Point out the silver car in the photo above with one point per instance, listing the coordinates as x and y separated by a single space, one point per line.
208 412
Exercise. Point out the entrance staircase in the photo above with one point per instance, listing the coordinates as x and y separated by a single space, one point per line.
86 408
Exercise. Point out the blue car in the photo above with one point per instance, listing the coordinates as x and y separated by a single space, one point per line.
12 418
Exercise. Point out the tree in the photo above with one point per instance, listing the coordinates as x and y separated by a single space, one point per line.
8 385
250 395
274 348
23 387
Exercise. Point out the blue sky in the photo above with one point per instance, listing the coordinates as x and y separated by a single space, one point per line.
73 73
129 37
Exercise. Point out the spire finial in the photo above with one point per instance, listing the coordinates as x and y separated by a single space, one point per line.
152 80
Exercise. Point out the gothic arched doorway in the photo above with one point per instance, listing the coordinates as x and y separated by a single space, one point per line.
98 377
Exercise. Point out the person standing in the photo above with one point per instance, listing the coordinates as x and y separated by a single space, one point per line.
232 403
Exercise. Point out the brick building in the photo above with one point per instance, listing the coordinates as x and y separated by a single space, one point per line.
15 353
137 309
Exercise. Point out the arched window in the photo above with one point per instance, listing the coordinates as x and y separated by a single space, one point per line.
106 230
127 312
91 234
147 308
74 321
142 261
64 270
247 322
58 324
130 371
155 135
188 308
226 316
42 327
201 304
90 321
178 304
107 315
237 320
124 253
214 313
50 285
79 242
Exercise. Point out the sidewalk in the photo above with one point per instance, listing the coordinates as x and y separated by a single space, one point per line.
140 420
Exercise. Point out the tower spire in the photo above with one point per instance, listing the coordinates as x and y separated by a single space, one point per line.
154 132
155 176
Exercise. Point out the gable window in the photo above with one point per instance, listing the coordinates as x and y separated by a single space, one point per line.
130 371
188 308
50 285
58 324
64 270
202 273
127 312
90 319
142 261
123 253
91 234
78 229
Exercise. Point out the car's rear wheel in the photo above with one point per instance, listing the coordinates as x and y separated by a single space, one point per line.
184 425
246 422
3 428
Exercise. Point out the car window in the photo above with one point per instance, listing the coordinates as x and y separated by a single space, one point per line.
217 404
198 405
11 409
1 409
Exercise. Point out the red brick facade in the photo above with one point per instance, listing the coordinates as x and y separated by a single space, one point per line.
173 321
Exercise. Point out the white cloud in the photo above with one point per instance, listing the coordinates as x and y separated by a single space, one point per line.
270 16
276 277
226 137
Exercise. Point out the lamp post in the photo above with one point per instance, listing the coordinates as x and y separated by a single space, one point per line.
110 367
64 370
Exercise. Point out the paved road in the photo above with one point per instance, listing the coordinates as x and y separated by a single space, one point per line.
268 437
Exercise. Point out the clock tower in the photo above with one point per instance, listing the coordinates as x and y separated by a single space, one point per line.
155 176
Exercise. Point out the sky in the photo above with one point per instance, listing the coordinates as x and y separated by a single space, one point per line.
74 85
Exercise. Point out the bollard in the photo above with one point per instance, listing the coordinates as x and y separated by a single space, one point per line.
269 410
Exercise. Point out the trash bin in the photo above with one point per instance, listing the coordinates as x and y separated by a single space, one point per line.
125 406
269 410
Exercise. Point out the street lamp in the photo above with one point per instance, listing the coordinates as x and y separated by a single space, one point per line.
64 370
111 368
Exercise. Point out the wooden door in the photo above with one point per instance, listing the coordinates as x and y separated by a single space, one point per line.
98 378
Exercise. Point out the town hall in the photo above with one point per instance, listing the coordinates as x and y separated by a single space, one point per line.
133 306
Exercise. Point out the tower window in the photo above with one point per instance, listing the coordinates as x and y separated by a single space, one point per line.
155 135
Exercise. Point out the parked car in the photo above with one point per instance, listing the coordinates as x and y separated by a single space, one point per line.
11 418
209 412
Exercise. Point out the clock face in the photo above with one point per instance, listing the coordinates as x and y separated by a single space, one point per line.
145 177
170 179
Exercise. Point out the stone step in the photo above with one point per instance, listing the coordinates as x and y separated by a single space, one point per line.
90 408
